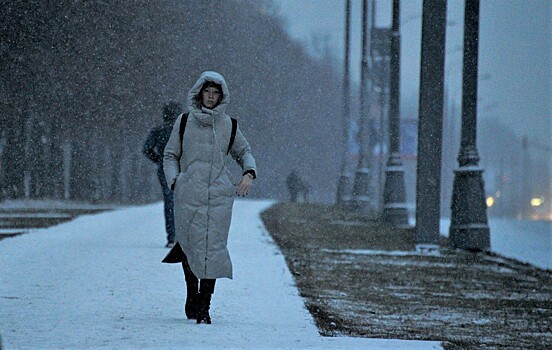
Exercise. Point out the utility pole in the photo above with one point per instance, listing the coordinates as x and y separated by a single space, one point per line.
526 174
394 193
362 191
469 228
344 184
430 125
380 57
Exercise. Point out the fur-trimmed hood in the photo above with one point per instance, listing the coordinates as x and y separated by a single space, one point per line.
194 91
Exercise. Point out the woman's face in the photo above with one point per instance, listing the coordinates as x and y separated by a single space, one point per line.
210 97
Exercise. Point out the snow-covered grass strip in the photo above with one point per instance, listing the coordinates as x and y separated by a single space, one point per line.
372 252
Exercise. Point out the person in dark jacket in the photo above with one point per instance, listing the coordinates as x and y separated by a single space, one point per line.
153 149
297 186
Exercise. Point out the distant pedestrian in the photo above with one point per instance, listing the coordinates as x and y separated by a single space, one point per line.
153 149
195 167
297 187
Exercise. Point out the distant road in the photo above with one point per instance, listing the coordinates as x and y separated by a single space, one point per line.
523 240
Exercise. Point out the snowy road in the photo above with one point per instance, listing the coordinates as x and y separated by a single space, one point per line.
523 240
97 282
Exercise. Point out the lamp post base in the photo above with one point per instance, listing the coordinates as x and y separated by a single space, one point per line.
363 199
394 194
344 189
475 237
469 227
396 216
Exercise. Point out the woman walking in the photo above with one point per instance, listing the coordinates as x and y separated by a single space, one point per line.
195 169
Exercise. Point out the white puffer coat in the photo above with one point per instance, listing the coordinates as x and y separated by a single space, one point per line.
204 192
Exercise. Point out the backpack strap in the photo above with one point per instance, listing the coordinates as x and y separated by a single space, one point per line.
233 134
183 123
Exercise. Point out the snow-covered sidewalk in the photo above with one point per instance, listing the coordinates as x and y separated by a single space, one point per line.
98 282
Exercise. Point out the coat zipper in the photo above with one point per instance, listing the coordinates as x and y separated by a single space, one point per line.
209 196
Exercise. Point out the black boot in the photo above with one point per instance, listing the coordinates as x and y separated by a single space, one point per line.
192 299
191 305
203 309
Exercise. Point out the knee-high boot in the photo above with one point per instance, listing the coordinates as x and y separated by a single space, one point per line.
192 299
206 290
203 310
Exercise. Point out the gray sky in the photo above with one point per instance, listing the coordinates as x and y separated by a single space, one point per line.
515 53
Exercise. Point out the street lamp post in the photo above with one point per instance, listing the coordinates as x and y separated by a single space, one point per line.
394 193
362 191
430 125
469 228
344 184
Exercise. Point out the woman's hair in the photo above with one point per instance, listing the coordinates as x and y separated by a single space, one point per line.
198 98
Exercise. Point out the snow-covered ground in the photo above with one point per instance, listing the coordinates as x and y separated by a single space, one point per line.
50 204
97 282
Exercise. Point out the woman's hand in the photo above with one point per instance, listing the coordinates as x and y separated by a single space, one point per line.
244 186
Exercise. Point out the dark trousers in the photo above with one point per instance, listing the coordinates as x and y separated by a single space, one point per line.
168 200
206 285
